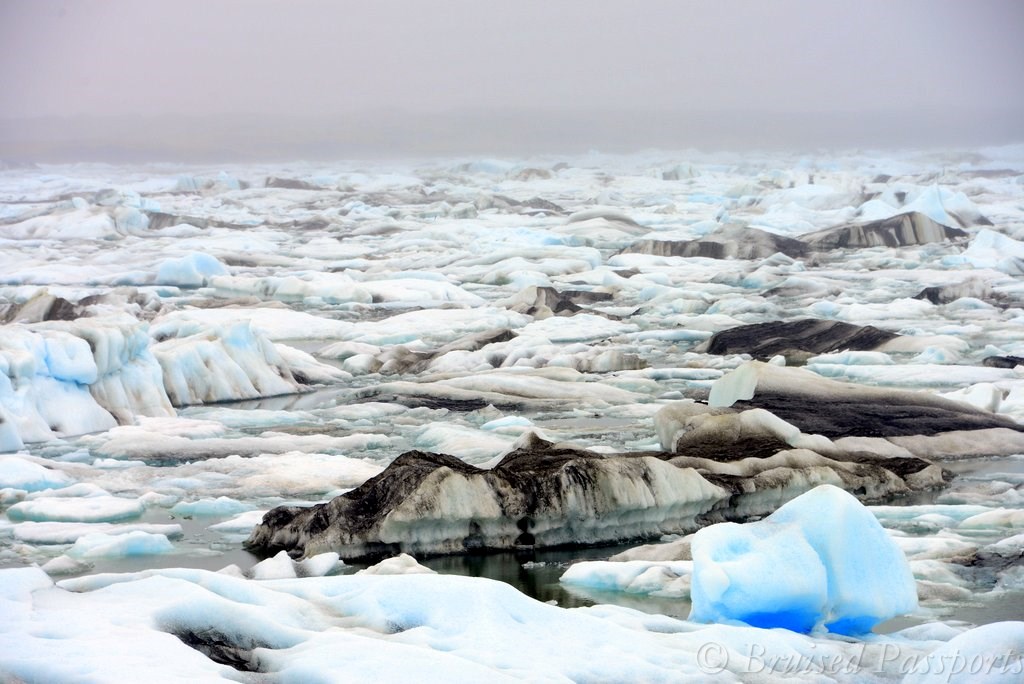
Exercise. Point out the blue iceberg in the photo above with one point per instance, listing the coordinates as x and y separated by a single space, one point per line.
820 561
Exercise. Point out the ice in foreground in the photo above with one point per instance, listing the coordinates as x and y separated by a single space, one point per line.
821 560
180 624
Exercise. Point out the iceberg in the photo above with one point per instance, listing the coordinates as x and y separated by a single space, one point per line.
223 363
820 561
192 270
540 494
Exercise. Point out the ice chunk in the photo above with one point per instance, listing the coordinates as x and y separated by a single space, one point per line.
852 358
319 565
306 370
581 327
135 543
240 524
437 326
437 503
70 532
657 578
472 446
221 506
19 472
983 395
798 569
65 565
191 270
989 249
45 375
77 509
1000 517
402 564
81 222
684 424
946 207
72 378
508 425
924 423
276 324
282 566
332 288
221 364
278 567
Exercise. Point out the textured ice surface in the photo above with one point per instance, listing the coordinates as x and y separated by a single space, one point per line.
369 627
991 653
798 568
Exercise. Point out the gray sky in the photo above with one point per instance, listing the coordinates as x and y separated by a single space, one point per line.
306 58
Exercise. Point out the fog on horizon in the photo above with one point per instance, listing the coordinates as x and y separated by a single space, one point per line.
119 80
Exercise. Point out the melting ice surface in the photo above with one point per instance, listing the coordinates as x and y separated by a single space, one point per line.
183 349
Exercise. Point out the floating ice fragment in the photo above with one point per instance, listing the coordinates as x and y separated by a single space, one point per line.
78 509
821 560
192 270
18 472
221 506
657 578
402 564
240 524
278 567
136 543
65 565
70 532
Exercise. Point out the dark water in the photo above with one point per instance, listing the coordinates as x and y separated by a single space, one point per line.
536 574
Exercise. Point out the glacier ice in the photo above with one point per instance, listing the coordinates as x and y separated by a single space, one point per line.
798 569
68 378
456 292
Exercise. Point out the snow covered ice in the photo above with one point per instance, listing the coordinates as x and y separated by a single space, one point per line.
184 351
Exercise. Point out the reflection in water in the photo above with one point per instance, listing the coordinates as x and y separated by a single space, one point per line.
536 573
